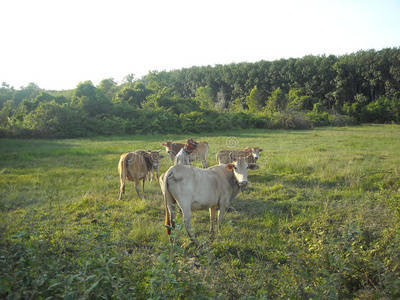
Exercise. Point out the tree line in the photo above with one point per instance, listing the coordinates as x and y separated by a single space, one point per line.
295 93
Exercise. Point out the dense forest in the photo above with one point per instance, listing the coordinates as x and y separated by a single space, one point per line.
295 93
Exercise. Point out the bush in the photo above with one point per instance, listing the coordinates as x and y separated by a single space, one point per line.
196 122
290 120
341 120
225 121
382 110
157 121
107 125
318 118
376 111
52 120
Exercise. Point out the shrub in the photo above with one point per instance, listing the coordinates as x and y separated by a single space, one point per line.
318 118
108 125
341 120
175 275
379 111
196 122
290 120
351 109
52 120
156 121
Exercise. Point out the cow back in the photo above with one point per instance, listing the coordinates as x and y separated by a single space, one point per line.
199 188
200 151
137 164
226 156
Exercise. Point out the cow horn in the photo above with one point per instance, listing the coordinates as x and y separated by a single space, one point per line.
158 150
231 156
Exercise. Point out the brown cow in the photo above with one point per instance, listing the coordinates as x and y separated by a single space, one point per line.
135 166
193 188
200 151
226 156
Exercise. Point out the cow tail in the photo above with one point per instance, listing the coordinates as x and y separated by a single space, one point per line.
168 199
122 169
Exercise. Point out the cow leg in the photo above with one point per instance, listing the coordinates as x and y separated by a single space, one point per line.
137 188
186 219
150 176
221 214
171 155
205 164
213 211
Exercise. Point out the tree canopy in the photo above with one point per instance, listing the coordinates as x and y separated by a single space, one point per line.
286 93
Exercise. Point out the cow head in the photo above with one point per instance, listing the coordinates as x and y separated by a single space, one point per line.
155 158
168 148
167 144
240 168
256 152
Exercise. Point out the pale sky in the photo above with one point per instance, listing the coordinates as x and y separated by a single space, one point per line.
59 43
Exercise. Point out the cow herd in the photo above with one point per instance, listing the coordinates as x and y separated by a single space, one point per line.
188 187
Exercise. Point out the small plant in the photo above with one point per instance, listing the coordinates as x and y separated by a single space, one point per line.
173 276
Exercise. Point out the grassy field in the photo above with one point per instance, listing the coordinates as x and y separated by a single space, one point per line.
319 220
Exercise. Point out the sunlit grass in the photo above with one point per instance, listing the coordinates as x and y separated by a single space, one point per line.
317 196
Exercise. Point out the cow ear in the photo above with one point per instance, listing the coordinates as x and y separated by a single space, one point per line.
164 144
253 167
230 167
261 150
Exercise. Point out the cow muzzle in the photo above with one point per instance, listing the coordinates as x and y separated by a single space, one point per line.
243 183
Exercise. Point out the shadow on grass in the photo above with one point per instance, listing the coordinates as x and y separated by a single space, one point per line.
299 180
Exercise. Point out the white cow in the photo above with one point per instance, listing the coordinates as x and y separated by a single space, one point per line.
197 189
182 158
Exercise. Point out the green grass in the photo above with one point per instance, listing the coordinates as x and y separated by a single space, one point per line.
319 220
